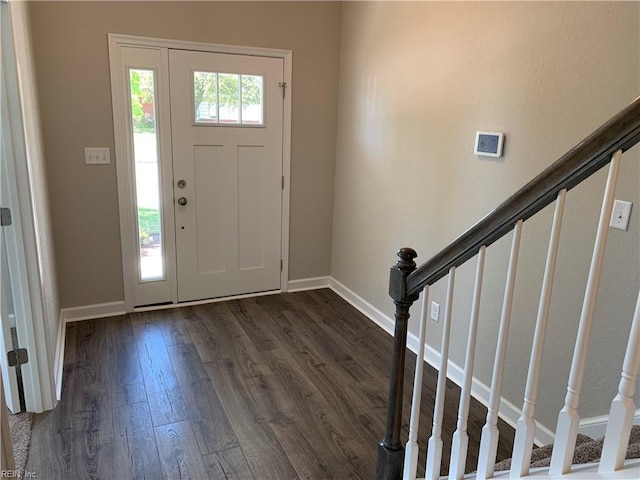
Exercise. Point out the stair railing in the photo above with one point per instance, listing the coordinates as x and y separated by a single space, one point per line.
407 281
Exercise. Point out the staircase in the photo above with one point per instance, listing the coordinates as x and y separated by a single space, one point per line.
604 147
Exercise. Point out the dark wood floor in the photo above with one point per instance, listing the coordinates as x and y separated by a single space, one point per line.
274 387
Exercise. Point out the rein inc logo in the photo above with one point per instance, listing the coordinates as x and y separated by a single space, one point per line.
17 474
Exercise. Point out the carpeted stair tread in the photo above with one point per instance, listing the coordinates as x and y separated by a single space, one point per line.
587 450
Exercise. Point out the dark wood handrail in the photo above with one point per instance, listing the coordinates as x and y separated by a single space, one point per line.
620 133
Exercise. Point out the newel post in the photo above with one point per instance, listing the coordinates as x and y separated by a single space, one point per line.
390 450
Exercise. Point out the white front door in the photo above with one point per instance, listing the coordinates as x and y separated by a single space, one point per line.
226 132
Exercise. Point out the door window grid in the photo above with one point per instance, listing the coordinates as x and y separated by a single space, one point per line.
228 99
147 175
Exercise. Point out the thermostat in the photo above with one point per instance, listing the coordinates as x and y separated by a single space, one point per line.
489 144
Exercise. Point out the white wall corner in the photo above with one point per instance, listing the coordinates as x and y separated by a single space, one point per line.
88 312
364 307
307 284
508 411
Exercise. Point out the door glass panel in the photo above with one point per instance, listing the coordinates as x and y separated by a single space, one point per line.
228 99
252 93
229 91
147 173
205 88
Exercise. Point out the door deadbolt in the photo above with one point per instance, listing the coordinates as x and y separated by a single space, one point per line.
182 201
182 183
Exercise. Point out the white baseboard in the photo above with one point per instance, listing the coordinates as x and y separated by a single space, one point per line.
88 312
596 427
508 411
307 284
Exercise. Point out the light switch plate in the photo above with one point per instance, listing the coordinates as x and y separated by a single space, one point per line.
97 156
620 215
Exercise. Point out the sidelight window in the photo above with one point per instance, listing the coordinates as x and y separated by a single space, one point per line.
147 174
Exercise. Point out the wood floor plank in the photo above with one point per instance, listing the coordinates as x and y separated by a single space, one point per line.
332 431
92 438
135 452
128 394
308 462
179 453
251 319
205 342
92 347
70 343
370 344
234 343
163 392
175 331
212 429
124 363
264 454
214 330
228 464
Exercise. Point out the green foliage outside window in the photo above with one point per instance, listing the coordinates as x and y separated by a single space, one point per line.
149 224
142 93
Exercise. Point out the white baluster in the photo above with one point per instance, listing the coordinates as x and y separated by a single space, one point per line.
460 437
434 449
490 433
526 427
411 451
622 406
568 419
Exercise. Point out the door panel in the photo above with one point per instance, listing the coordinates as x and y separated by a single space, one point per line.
228 232
253 207
212 222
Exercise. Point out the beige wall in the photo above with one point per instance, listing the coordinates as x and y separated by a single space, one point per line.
71 61
416 81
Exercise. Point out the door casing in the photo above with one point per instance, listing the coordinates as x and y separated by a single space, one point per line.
124 174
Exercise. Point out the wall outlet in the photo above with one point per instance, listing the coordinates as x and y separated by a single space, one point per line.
435 311
97 156
620 215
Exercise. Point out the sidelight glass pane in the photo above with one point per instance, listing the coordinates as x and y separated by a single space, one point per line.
252 100
147 173
229 93
205 96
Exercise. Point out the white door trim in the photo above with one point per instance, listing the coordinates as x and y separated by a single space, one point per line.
19 180
124 178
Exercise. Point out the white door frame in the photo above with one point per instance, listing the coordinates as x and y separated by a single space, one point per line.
124 172
22 236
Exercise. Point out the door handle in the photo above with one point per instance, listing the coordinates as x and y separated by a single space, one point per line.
182 183
182 201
